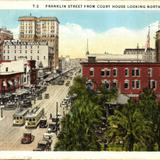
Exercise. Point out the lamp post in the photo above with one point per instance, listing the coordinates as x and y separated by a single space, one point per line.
56 117
2 106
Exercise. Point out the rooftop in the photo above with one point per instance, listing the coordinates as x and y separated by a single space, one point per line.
32 18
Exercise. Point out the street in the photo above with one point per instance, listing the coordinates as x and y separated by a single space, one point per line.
10 136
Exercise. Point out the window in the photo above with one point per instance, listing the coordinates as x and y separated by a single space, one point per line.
133 84
31 57
6 69
135 72
44 57
126 84
108 72
8 57
115 72
153 84
25 51
136 84
102 73
91 72
150 70
126 72
37 57
14 57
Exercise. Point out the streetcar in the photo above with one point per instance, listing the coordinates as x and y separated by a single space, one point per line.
19 116
33 117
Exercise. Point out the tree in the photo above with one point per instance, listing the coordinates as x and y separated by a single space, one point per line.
128 126
77 132
151 112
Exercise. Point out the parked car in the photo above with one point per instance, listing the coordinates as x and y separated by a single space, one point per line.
10 105
43 145
46 96
53 127
26 103
60 82
43 123
67 83
27 138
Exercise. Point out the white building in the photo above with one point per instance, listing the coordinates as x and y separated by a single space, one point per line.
38 51
41 29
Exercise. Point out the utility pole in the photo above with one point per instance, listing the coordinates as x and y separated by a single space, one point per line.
56 117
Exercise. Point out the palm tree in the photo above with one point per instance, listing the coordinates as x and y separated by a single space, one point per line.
128 126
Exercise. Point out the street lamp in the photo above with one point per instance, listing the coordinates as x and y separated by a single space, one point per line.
1 106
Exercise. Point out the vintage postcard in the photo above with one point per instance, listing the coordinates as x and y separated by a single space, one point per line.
79 76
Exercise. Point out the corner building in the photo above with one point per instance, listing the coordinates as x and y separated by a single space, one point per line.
42 29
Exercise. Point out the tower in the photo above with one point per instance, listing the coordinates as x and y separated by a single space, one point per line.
157 46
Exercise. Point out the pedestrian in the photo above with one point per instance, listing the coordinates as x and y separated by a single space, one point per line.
50 115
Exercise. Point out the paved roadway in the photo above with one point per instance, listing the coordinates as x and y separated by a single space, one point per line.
10 136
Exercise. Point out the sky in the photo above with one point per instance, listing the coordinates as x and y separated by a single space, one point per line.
108 31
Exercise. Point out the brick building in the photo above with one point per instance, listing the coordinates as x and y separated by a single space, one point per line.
16 74
130 77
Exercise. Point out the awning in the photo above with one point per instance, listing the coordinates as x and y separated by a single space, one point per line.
4 83
10 82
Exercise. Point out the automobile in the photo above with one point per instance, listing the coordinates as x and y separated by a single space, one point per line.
27 138
63 104
26 103
39 97
43 145
53 127
60 82
48 135
43 123
46 96
67 83
10 105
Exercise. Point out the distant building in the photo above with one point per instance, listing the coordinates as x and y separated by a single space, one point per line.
16 74
38 51
4 35
147 56
42 29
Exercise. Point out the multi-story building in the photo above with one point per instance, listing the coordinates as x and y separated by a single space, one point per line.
130 77
46 29
38 51
16 74
4 35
